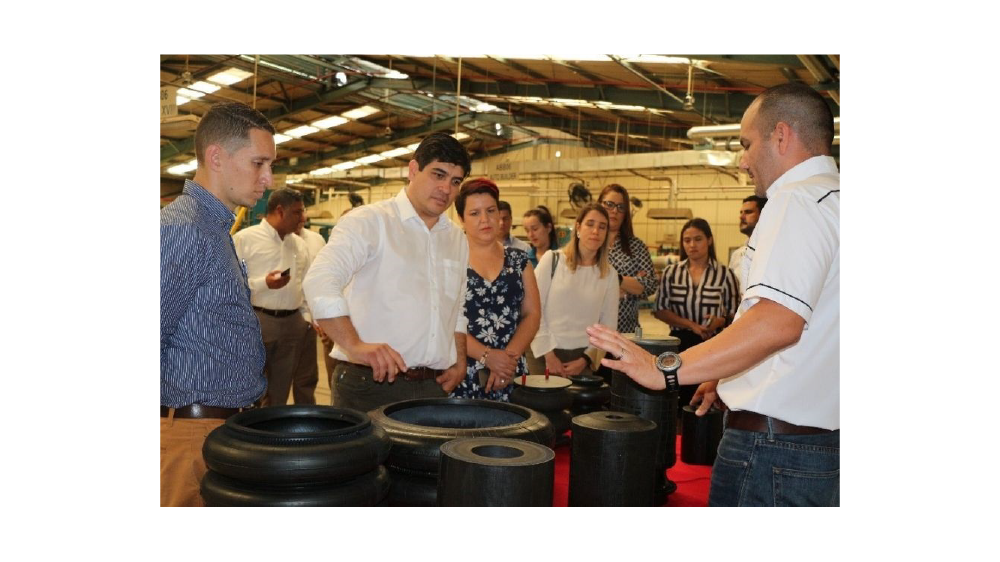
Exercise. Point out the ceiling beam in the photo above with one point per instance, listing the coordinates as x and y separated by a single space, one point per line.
622 96
174 148
782 60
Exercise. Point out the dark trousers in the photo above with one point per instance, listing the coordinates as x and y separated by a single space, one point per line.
354 387
307 369
283 344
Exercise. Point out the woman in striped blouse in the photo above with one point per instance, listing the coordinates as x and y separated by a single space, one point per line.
698 295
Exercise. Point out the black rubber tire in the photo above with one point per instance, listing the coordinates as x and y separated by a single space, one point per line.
363 491
410 490
296 445
418 428
491 471
545 401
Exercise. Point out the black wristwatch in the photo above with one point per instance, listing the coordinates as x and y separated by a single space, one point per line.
668 363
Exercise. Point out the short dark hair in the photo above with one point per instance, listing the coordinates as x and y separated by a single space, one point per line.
702 225
443 148
543 215
504 206
473 187
283 197
760 201
625 232
228 125
805 111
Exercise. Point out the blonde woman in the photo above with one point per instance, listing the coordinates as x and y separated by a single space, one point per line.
578 287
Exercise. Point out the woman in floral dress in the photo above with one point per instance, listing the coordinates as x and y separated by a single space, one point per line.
501 298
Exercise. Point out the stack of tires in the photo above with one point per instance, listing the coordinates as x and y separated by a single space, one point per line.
418 428
296 456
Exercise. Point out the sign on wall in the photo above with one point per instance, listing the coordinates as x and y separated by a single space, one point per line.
168 101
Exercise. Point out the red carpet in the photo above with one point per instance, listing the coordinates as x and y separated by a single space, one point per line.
692 481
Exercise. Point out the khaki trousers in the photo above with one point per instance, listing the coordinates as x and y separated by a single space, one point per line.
283 344
181 463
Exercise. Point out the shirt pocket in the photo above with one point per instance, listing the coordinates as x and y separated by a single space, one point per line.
711 298
678 293
453 271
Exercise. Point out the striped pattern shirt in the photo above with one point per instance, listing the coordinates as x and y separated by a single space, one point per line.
211 350
717 294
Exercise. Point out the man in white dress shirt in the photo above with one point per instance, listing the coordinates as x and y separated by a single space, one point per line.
276 261
779 362
389 287
307 370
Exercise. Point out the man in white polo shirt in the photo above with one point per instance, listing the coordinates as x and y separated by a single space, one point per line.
389 287
779 362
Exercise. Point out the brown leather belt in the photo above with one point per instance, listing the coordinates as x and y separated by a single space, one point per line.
414 374
199 411
752 421
276 313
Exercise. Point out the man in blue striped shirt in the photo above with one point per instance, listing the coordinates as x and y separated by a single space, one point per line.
211 351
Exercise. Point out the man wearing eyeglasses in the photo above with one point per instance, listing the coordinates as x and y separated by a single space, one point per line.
389 288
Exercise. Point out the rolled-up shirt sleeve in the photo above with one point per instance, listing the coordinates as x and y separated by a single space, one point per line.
353 243
791 256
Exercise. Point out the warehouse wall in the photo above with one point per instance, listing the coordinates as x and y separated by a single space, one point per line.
712 194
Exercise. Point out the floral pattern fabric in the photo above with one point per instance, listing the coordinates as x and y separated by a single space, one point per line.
494 311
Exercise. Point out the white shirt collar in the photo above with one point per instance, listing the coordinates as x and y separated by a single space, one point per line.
407 211
270 230
805 169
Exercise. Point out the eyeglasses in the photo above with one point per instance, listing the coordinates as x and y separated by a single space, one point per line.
610 205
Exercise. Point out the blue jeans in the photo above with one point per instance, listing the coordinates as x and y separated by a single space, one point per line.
768 469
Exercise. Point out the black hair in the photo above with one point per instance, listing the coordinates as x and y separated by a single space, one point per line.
284 197
702 225
443 148
543 215
760 201
504 206
625 232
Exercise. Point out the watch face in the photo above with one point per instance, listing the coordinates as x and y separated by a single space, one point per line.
668 361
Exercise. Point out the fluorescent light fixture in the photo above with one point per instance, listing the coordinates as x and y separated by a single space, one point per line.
341 78
460 136
229 76
396 152
396 75
566 101
370 159
181 169
625 107
484 107
181 100
412 147
558 153
280 138
344 166
189 94
524 57
360 112
657 59
206 87
320 171
301 131
293 180
329 122
498 126
585 58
